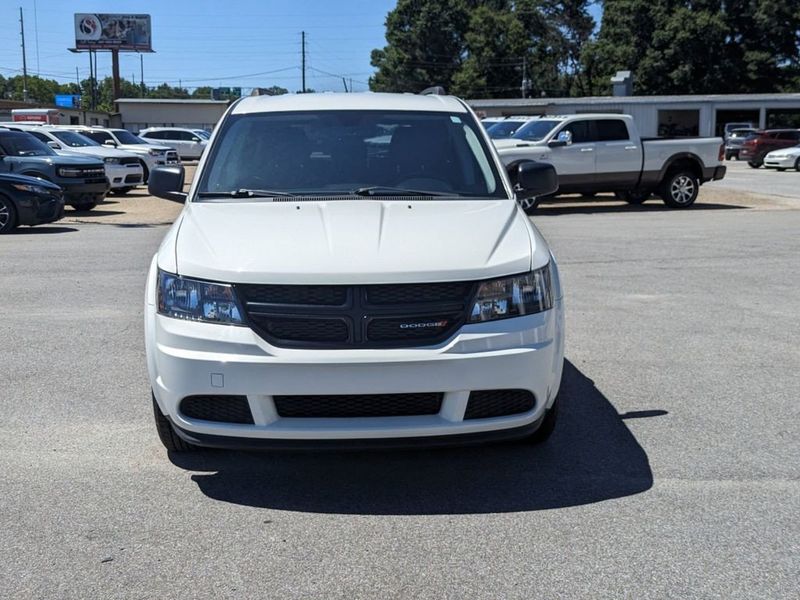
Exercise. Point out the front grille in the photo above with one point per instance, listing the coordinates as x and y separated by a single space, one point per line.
358 405
223 409
357 316
484 404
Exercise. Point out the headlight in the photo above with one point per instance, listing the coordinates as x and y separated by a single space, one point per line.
34 189
513 296
193 300
154 152
111 161
68 172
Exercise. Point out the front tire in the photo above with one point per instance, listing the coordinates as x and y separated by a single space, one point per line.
679 189
797 165
8 215
83 206
753 164
166 433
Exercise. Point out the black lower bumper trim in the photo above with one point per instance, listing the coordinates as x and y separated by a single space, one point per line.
408 443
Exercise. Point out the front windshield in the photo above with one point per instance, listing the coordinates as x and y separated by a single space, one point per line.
24 144
126 137
340 151
535 131
503 129
74 140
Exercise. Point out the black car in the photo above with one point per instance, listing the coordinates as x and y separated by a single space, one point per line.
28 201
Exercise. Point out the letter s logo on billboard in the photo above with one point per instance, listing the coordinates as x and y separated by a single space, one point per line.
88 27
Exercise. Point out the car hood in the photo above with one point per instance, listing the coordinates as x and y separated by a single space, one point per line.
98 151
65 159
24 179
143 147
790 151
352 241
515 143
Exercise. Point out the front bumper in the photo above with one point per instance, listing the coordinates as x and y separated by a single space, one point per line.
77 190
780 163
33 209
120 176
188 359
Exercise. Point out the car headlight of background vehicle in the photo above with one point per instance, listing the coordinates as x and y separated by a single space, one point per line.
111 160
193 300
513 296
34 189
154 152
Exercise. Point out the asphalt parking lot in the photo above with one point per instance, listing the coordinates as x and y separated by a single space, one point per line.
674 470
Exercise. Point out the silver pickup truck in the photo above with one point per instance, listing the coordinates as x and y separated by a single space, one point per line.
595 153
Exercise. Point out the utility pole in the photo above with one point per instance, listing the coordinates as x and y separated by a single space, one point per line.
24 62
141 68
115 75
525 88
303 46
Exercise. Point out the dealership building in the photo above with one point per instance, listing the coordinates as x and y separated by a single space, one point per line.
136 114
692 115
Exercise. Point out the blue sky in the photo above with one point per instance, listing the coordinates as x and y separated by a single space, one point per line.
209 42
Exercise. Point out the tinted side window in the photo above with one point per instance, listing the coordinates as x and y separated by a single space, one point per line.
97 136
611 130
183 136
789 135
581 132
40 136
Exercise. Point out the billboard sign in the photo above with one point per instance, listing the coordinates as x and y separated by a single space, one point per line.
113 32
68 100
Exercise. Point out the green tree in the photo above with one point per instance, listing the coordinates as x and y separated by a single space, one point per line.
425 45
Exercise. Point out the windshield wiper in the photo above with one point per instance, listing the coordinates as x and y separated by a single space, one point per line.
379 190
247 193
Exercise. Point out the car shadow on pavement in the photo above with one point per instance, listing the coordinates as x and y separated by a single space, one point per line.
42 230
591 457
604 205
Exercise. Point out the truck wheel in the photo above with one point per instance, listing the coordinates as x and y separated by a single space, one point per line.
547 426
679 189
634 196
797 165
83 206
171 440
753 164
8 215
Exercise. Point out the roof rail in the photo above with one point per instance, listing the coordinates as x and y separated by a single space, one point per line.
435 90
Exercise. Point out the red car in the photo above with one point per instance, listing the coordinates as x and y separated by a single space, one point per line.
755 148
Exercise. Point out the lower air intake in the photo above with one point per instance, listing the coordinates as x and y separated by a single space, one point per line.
358 405
484 404
222 409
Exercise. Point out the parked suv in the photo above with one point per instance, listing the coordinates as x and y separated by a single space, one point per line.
83 179
353 268
123 169
152 155
755 148
734 141
28 201
189 144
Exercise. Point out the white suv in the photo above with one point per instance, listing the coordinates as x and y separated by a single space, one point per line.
353 269
188 142
152 155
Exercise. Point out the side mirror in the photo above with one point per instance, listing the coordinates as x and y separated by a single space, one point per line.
195 139
167 183
110 143
533 179
54 145
564 138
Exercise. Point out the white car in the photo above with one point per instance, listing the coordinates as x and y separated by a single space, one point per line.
123 169
352 269
189 143
785 158
152 155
